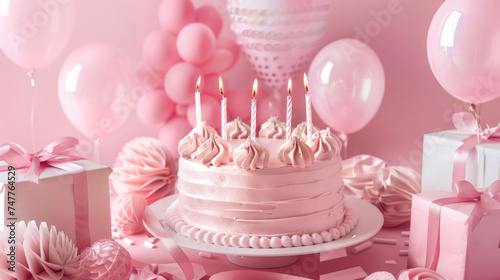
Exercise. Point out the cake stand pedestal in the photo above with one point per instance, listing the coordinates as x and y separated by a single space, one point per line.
370 221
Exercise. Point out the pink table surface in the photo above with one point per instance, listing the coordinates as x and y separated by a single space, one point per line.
339 264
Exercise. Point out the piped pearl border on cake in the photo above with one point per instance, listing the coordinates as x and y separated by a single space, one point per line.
252 241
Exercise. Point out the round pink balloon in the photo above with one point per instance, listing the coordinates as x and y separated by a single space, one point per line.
210 112
172 132
160 50
175 14
95 89
196 43
34 33
180 82
155 107
181 109
209 16
463 49
230 45
221 61
346 83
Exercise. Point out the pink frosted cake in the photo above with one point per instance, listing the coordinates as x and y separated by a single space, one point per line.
260 193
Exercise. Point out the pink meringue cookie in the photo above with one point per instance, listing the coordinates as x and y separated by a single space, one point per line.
380 275
251 156
324 144
237 129
190 144
215 151
145 167
301 130
127 211
296 153
420 273
273 128
358 173
204 130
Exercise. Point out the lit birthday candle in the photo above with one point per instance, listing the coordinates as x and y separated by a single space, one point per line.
254 110
223 105
198 102
308 108
289 111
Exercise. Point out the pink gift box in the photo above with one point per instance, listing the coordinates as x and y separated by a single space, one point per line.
463 253
51 200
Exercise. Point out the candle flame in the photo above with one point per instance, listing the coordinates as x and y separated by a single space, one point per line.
221 87
255 85
198 83
289 86
306 83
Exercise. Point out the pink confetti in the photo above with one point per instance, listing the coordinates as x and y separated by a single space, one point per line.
149 244
346 274
403 252
405 233
390 262
128 241
389 241
331 255
152 240
361 247
205 255
407 242
116 235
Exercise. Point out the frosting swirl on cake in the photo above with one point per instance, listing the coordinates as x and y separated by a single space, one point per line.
205 130
296 153
215 151
251 156
301 130
237 129
190 144
273 128
324 145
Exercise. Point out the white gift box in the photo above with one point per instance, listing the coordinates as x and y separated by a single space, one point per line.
52 201
483 162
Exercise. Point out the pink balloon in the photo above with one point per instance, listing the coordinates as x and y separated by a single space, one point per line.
155 107
221 61
95 89
196 43
209 16
149 77
210 112
172 132
346 82
268 106
180 82
34 33
160 50
211 87
463 49
181 109
175 14
239 104
230 45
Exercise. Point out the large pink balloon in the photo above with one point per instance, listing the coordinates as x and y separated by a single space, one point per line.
94 89
346 82
463 49
172 132
34 33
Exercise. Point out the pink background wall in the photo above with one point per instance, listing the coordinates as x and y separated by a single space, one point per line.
414 103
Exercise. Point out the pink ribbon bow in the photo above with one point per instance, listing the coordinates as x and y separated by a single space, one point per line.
487 201
60 151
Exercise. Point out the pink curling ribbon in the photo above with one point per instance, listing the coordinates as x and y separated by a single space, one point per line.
487 201
465 122
58 154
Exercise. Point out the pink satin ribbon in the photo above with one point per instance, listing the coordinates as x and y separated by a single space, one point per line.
58 154
464 122
154 227
486 201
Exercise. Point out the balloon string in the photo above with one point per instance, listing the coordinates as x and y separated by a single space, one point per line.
31 75
343 136
475 111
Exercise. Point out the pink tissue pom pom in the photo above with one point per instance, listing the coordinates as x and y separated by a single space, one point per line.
172 132
175 14
41 253
106 259
380 275
155 107
196 43
127 211
180 82
209 16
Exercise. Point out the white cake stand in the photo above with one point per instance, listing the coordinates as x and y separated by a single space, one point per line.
369 223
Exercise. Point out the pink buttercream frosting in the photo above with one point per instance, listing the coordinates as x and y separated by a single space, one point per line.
390 188
189 145
215 151
420 273
237 129
296 153
324 145
145 167
273 128
301 130
204 130
251 156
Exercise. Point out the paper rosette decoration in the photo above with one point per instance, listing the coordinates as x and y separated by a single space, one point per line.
279 37
106 259
390 188
40 253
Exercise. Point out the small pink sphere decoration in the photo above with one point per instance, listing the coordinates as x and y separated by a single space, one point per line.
41 253
127 213
145 167
172 132
106 259
196 43
155 107
180 82
175 14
